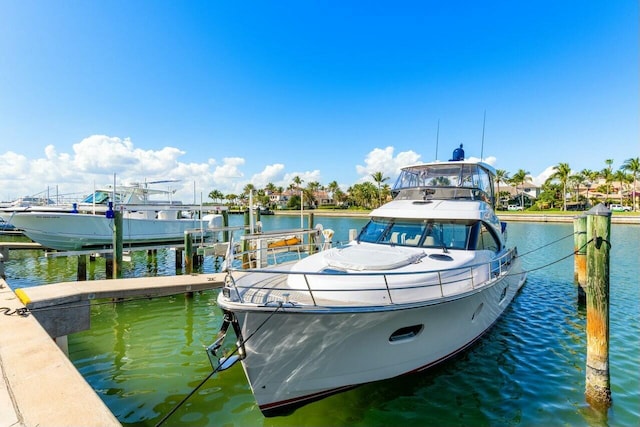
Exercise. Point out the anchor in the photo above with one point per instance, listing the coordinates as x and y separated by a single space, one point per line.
224 363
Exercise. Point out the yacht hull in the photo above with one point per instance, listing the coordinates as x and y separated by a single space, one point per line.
69 231
297 354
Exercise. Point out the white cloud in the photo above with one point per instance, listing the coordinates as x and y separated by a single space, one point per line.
544 175
270 174
490 160
379 160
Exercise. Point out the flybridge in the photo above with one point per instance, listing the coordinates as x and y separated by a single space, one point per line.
446 181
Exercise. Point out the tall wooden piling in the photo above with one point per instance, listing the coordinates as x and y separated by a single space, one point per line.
117 244
245 243
188 252
580 255
598 388
312 237
225 224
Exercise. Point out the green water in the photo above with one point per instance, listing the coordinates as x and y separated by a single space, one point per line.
144 356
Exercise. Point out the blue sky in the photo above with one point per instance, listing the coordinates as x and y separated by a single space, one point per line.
221 94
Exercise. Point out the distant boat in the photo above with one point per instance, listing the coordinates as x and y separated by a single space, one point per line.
5 226
425 278
265 210
89 224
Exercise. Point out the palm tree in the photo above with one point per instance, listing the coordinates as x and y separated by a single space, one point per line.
248 189
622 178
576 180
310 192
297 181
633 165
333 187
216 195
271 188
501 176
561 173
607 174
519 178
590 177
379 178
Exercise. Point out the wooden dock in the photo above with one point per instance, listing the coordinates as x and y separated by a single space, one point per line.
64 308
37 374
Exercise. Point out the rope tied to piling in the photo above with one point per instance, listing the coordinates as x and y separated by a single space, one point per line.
548 244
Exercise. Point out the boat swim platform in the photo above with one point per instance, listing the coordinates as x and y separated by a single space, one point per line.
40 384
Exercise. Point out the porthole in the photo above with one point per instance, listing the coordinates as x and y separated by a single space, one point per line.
406 333
477 312
504 293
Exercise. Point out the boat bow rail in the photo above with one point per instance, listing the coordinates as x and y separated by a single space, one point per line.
280 284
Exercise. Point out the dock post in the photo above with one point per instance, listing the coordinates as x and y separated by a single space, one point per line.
188 252
82 268
312 237
225 224
598 388
245 243
580 257
117 244
178 258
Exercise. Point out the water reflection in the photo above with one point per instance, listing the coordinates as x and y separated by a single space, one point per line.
144 356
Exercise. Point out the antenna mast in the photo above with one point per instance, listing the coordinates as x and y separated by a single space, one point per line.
437 137
484 120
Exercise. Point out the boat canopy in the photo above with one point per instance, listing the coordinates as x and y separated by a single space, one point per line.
446 181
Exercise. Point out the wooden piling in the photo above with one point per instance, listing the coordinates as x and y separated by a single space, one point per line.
580 257
117 244
178 259
245 243
82 268
188 252
598 388
225 224
312 237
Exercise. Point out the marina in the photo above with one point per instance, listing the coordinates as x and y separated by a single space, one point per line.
541 335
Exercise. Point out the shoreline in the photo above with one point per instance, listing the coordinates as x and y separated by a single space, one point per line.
515 217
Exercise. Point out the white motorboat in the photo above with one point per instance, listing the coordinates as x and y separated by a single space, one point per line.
425 278
89 224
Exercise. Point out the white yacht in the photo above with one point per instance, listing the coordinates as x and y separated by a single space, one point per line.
424 279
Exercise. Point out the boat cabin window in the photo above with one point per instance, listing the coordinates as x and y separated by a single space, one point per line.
418 233
486 239
443 181
101 197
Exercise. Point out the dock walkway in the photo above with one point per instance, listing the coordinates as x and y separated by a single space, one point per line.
40 385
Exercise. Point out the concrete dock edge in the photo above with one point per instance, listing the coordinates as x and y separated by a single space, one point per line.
40 386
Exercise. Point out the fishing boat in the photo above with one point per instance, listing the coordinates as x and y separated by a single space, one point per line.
424 279
149 216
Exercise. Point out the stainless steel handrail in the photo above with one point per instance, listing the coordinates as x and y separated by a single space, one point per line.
467 273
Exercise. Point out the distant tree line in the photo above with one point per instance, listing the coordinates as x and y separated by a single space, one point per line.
562 186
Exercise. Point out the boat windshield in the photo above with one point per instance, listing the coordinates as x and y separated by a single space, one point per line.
450 180
452 234
100 197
